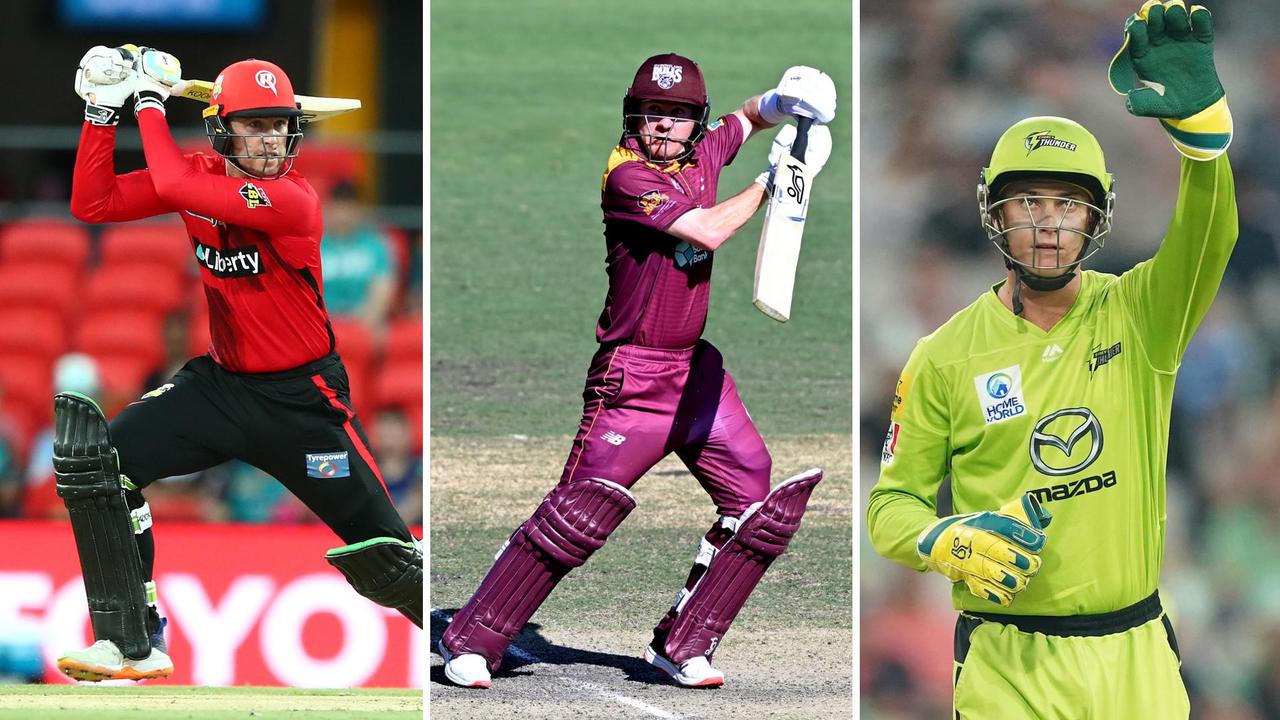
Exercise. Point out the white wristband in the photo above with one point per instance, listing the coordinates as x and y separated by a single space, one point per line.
769 109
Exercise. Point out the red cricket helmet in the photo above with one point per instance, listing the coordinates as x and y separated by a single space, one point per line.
247 89
673 78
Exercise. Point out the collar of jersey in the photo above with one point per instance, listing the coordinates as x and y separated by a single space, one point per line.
630 153
1088 282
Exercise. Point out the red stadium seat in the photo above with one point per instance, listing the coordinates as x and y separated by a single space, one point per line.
325 165
131 334
163 243
156 288
39 285
28 384
45 240
399 383
122 377
404 342
38 332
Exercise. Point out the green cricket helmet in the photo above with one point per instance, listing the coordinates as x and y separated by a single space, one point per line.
1047 148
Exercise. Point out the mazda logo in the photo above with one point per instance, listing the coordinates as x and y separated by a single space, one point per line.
1041 438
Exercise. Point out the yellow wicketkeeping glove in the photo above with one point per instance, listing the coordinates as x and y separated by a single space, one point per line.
1165 70
994 553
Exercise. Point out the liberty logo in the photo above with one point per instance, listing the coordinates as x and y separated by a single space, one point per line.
232 262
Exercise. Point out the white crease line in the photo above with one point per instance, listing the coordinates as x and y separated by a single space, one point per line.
529 658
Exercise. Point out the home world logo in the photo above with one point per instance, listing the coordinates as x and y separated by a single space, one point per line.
1000 394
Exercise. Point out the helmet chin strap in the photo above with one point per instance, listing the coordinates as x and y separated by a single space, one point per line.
1040 283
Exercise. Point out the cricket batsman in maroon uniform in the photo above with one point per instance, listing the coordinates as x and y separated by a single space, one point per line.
272 391
655 386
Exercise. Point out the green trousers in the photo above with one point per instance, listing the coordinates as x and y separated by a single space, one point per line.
1006 673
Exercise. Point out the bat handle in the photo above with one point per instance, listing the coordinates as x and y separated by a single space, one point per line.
802 137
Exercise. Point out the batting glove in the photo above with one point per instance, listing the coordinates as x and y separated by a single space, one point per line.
802 91
816 152
157 73
105 78
994 553
1165 69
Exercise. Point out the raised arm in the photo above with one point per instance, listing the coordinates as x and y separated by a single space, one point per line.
1166 70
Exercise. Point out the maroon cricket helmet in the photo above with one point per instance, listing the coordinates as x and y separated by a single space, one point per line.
672 78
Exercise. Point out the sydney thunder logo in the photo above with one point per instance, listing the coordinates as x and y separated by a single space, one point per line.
1044 138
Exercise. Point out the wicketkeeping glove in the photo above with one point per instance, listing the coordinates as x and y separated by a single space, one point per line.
1165 69
105 79
816 152
994 553
801 91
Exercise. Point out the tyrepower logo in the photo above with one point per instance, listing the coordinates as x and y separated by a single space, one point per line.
238 616
232 262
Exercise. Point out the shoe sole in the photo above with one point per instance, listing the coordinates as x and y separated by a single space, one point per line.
673 672
98 673
482 684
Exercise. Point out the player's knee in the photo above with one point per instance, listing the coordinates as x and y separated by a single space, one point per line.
576 518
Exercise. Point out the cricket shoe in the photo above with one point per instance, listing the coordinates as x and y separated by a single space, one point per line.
694 672
465 670
104 661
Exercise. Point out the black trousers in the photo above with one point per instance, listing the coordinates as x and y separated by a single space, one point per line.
297 426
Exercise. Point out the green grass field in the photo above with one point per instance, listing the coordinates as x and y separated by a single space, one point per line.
525 107
170 702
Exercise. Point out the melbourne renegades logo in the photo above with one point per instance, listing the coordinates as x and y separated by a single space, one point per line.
266 80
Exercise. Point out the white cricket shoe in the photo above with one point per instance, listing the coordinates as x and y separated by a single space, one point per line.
694 672
104 661
465 670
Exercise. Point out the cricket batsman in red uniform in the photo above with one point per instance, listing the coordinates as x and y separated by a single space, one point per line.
272 391
655 386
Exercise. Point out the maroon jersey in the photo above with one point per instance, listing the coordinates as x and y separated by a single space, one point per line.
257 242
659 285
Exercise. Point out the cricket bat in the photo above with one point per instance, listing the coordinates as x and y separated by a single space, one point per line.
313 108
783 227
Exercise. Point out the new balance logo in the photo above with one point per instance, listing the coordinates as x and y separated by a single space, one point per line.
613 438
1051 353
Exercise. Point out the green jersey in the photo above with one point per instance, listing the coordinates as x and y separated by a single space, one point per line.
1078 415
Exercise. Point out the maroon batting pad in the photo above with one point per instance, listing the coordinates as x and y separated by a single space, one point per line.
572 522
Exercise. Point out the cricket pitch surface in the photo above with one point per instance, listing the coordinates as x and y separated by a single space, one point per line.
788 655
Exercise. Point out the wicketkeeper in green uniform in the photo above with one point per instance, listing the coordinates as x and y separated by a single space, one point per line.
1049 399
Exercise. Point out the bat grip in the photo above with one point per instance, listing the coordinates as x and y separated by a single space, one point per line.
802 137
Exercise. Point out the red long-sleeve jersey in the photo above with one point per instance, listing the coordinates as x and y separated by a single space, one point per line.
257 242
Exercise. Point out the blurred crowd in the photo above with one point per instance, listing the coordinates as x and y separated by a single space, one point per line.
940 82
118 330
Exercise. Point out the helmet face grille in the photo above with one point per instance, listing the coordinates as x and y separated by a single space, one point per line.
634 119
1046 223
223 142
